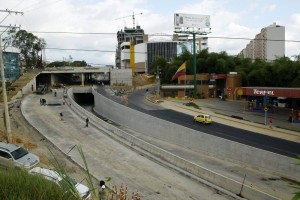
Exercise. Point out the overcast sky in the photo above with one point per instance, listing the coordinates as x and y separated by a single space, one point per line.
229 18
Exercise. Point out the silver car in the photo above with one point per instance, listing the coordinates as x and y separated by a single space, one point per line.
12 155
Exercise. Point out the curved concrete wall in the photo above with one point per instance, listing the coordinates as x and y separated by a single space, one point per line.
201 142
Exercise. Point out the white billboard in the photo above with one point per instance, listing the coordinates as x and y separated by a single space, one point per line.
191 20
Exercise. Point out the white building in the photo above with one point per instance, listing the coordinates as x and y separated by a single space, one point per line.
268 45
125 55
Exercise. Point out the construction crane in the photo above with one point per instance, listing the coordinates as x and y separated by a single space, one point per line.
133 17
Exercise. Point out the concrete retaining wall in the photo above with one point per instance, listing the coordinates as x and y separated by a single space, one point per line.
218 181
198 141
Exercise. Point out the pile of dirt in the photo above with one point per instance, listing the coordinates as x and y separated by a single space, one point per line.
142 80
16 86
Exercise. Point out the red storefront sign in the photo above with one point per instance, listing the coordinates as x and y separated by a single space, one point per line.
270 92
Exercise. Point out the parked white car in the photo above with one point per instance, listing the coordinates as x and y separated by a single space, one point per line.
55 177
12 155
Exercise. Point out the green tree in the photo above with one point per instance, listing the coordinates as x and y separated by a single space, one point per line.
221 67
79 63
30 46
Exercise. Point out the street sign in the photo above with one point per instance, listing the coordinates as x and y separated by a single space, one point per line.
266 109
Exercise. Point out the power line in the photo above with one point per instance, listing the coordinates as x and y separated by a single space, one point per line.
96 50
89 50
155 34
78 33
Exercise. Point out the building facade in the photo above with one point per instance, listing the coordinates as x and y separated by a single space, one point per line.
207 85
267 45
137 53
133 36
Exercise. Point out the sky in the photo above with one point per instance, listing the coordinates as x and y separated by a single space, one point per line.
229 19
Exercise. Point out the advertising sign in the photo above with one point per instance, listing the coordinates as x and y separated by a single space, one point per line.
191 20
272 92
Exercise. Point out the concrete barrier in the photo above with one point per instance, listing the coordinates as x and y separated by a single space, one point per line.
219 181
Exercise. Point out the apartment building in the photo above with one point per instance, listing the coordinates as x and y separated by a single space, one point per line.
267 45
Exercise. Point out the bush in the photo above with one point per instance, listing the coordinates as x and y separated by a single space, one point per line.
192 105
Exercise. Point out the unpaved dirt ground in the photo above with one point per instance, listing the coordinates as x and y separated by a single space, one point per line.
24 134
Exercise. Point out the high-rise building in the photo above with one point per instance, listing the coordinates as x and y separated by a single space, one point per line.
267 45
130 36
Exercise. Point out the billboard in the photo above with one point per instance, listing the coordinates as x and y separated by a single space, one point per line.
191 20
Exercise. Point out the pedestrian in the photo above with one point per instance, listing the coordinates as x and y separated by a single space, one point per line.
41 101
102 191
270 122
291 117
61 116
87 122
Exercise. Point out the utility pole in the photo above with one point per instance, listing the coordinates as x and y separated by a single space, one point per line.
6 113
157 81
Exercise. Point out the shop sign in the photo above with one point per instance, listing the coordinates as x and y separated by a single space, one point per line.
263 92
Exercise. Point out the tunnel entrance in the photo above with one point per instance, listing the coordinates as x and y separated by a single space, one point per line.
84 99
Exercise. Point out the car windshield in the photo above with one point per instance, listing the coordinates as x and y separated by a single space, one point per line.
18 153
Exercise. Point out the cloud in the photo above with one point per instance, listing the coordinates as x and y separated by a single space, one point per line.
110 16
292 31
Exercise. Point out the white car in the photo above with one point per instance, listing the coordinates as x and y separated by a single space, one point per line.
55 177
12 155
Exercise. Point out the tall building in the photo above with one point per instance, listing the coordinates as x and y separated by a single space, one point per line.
130 36
267 45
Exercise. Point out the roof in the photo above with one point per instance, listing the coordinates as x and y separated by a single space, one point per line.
8 146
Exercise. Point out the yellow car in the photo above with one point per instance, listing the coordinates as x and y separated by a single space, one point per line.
205 119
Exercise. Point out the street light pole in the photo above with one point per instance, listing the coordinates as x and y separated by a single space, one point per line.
6 114
158 81
194 64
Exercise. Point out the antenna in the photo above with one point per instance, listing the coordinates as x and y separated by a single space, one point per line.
133 18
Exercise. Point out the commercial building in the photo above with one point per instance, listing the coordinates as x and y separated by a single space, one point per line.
267 45
208 85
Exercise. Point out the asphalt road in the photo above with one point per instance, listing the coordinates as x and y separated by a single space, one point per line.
137 101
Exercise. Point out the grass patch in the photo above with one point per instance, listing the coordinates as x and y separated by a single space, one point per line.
19 185
193 105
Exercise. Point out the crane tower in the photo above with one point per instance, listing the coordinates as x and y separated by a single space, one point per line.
133 18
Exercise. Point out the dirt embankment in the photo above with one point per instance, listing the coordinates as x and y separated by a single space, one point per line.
24 134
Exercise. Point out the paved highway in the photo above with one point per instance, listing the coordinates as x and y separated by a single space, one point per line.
137 101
